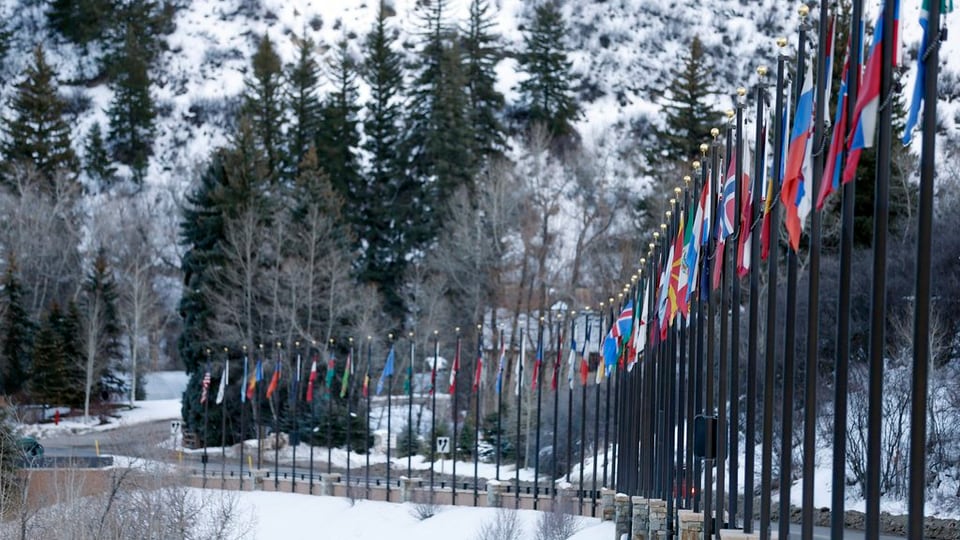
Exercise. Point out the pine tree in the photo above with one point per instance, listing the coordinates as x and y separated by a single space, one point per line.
303 80
16 334
80 21
57 377
439 135
96 159
263 104
689 118
101 330
338 138
389 223
547 92
38 133
132 112
482 53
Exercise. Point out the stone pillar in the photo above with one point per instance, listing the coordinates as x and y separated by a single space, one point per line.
327 480
565 497
623 514
641 518
407 487
691 524
258 476
495 489
658 520
607 511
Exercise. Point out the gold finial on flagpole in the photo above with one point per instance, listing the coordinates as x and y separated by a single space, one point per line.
781 42
803 10
686 180
714 132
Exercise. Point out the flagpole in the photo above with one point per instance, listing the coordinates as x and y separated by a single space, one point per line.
257 411
570 377
330 375
295 436
881 213
206 409
722 362
243 411
433 409
766 459
693 375
366 441
606 418
596 420
276 427
556 398
519 391
734 437
313 409
349 393
410 408
476 419
616 393
921 320
648 404
700 166
670 381
790 332
456 415
753 325
389 415
813 293
538 372
499 402
583 405
223 422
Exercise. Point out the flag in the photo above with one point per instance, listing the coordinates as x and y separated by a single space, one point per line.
243 390
366 379
572 357
913 116
433 370
746 217
765 225
387 370
518 369
255 378
640 333
347 371
205 384
619 332
331 371
832 171
865 111
454 369
502 365
275 379
555 380
221 392
792 192
537 363
478 372
584 360
311 379
692 250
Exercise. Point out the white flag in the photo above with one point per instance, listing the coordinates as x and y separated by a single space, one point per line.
223 381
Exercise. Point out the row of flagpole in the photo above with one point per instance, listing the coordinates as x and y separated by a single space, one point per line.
803 165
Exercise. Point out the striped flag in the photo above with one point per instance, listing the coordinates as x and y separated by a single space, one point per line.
311 379
205 384
347 371
454 369
478 372
584 360
275 378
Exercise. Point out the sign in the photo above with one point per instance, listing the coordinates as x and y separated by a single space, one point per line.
174 427
443 445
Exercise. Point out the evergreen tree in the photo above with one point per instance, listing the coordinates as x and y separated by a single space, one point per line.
547 92
689 118
57 376
338 138
303 79
38 133
97 163
482 52
132 112
16 334
263 104
102 329
439 135
389 224
80 21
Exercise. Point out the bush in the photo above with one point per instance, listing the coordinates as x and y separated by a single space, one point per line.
558 523
408 443
505 526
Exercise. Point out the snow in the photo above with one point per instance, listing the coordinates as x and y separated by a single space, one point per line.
284 515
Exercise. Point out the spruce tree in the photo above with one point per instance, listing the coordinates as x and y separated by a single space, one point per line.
547 92
132 112
80 21
439 136
389 217
263 104
57 376
689 118
482 52
16 334
102 329
96 160
304 103
338 137
38 133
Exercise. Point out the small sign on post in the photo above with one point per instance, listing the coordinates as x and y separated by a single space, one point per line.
175 433
443 445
